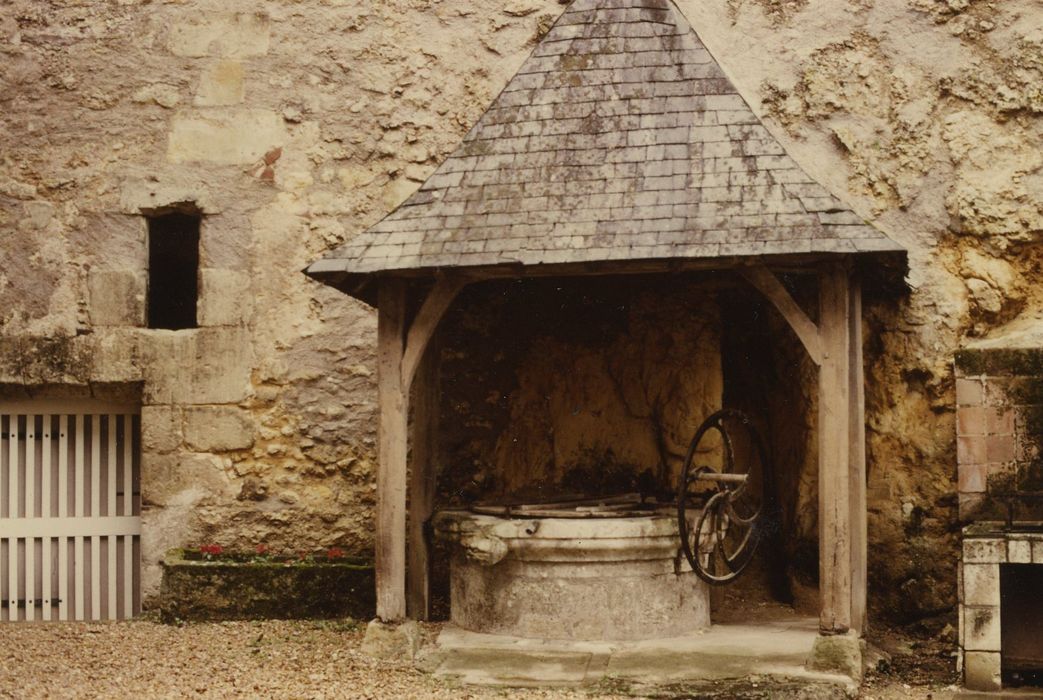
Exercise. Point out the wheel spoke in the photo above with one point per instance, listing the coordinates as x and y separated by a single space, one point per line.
720 540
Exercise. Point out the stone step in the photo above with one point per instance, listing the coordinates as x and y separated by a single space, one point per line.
727 652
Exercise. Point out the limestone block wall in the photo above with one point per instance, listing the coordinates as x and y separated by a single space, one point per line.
289 126
985 443
999 395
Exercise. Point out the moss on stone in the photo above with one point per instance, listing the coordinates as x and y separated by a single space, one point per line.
41 360
1004 362
238 590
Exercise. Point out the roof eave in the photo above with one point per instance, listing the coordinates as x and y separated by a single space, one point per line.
884 271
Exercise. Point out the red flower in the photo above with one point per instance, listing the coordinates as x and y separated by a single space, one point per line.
335 553
211 549
262 549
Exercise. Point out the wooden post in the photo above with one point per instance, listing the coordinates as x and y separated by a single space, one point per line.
391 474
401 357
834 439
422 478
857 467
835 345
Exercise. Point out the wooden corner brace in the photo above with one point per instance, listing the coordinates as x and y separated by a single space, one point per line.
765 281
423 327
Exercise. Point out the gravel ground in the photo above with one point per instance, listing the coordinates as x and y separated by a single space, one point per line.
271 659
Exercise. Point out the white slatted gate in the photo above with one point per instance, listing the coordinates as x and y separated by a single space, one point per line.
70 511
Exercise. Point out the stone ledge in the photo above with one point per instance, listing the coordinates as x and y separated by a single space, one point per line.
229 590
999 362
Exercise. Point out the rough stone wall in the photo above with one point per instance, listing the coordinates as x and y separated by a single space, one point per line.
555 388
290 126
925 115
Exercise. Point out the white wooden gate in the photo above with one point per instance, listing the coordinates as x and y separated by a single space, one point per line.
70 511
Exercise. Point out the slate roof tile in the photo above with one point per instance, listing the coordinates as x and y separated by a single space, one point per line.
619 138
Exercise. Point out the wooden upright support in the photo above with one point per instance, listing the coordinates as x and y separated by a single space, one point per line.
857 468
835 345
422 478
841 432
391 474
402 357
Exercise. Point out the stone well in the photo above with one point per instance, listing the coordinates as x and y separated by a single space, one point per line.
604 579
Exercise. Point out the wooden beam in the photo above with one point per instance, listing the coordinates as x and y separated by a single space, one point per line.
765 281
425 323
400 357
797 263
422 479
834 437
857 469
391 473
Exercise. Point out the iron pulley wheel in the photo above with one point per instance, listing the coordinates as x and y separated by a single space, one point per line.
722 513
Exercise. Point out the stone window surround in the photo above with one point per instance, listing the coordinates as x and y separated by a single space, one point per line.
985 547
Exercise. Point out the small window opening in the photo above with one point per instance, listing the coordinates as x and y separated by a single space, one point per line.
173 270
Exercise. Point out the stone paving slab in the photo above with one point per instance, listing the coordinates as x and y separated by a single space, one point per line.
498 667
777 649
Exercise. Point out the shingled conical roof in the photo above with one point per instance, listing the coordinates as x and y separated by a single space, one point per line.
619 139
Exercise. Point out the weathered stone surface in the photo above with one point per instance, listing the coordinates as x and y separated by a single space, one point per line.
207 366
981 584
224 298
984 551
235 35
559 578
392 641
161 429
838 653
218 429
152 194
117 298
184 476
982 671
236 137
161 94
222 83
981 627
37 215
163 527
226 590
1019 551
485 550
114 358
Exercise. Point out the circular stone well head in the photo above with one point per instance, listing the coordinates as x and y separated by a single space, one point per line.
596 579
